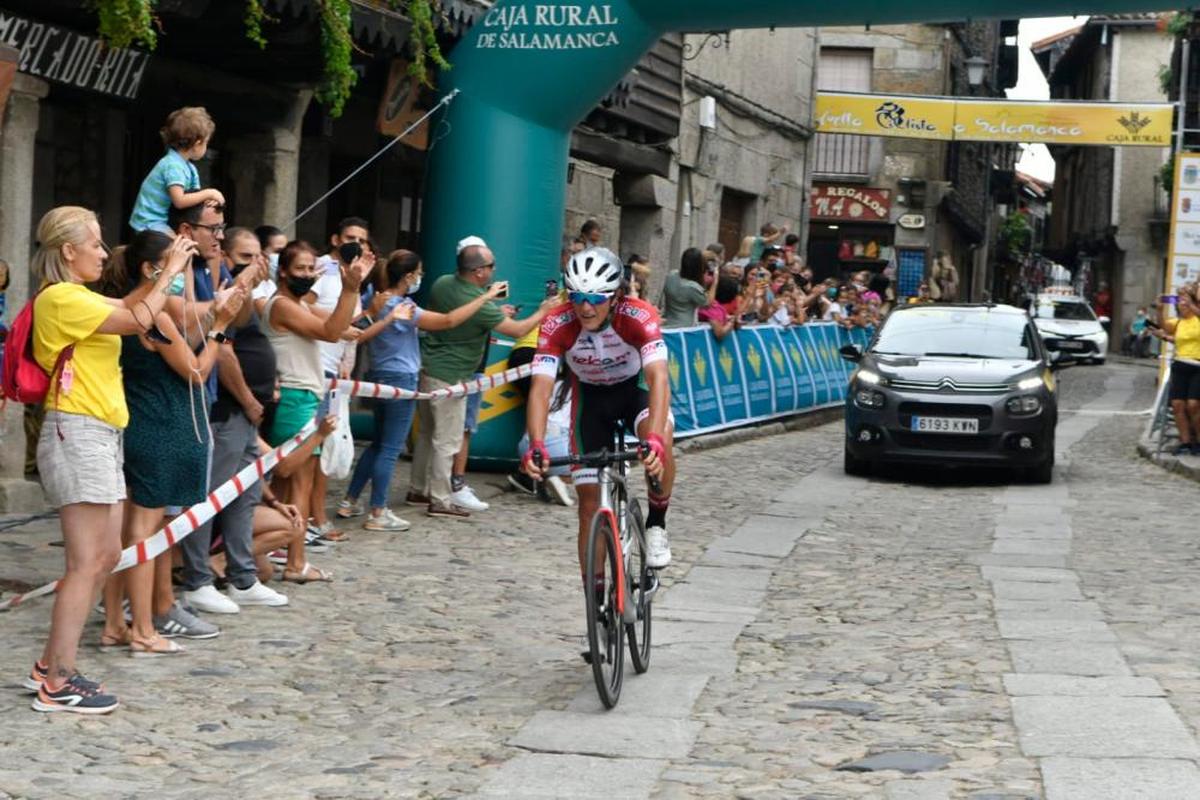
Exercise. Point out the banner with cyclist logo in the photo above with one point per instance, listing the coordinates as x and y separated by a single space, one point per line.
755 373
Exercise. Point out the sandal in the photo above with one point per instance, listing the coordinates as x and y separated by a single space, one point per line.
112 642
309 574
152 648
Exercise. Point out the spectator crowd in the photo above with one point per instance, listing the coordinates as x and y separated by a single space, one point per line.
177 360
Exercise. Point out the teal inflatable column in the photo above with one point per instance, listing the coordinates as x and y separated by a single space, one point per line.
528 72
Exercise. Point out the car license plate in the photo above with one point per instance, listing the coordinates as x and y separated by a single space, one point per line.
1069 344
945 425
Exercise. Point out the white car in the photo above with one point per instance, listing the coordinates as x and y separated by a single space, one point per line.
1069 326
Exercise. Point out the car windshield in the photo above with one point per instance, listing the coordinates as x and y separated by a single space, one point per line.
955 332
1065 309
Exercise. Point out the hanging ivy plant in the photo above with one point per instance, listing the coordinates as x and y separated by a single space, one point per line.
423 38
126 22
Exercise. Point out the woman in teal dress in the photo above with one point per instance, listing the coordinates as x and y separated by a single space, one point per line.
167 440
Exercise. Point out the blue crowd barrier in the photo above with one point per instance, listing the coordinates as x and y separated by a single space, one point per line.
755 374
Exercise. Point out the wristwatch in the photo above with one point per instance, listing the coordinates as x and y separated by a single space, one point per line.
218 336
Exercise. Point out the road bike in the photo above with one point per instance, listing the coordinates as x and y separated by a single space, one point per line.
616 549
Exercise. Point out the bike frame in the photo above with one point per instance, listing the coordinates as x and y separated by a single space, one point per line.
614 491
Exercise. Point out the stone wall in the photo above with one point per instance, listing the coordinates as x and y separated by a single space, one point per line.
763 84
1137 56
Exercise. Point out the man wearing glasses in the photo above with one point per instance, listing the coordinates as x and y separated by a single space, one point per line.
610 342
450 357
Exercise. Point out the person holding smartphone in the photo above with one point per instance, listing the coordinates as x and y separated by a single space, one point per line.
450 357
1184 331
688 290
395 351
295 331
166 441
350 241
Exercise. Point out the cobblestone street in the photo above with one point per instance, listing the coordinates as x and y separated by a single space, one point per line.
915 636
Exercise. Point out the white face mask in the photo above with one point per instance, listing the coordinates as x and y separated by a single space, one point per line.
273 262
414 288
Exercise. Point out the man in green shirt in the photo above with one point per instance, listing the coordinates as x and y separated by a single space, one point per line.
450 357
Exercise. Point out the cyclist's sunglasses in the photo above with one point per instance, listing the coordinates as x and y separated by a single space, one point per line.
595 298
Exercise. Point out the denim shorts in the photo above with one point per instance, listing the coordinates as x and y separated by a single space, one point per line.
474 403
85 465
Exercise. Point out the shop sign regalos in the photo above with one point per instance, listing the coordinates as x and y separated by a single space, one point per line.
970 120
849 203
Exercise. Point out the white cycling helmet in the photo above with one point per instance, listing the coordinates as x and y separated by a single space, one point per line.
595 270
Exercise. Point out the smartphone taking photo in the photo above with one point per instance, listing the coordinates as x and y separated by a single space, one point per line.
552 288
348 252
503 289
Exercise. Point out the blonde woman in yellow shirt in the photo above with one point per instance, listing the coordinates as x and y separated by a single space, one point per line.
1184 331
80 449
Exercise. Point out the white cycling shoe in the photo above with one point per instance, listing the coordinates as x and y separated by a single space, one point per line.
658 548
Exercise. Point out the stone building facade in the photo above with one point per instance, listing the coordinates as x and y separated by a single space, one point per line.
938 195
728 174
1105 225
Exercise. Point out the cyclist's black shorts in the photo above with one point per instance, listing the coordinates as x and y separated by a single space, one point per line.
597 413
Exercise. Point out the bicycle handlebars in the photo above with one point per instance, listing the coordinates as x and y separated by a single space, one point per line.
600 459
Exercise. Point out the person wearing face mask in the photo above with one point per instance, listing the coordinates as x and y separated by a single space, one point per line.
295 332
396 361
246 384
272 241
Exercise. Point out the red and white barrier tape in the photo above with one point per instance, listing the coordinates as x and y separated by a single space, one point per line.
192 518
385 392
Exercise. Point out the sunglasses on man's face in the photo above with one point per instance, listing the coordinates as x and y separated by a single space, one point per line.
594 298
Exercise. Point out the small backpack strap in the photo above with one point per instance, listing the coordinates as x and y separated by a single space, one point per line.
64 356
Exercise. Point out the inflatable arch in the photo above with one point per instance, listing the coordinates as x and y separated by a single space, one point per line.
530 71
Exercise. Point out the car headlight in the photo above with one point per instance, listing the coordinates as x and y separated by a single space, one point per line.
1036 382
869 398
866 376
1025 404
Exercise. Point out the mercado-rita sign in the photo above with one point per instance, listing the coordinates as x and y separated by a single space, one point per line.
64 56
970 120
850 203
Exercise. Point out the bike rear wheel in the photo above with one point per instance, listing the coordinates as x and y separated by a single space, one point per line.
640 579
605 631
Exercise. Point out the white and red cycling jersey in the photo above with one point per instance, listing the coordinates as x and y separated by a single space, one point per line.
614 354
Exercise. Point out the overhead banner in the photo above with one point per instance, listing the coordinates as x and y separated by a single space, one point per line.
994 120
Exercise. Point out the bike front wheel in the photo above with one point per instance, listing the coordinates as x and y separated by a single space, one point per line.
641 580
606 633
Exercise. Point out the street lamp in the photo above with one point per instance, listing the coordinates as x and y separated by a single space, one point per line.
976 70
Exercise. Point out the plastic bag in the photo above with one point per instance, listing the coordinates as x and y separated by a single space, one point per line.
337 452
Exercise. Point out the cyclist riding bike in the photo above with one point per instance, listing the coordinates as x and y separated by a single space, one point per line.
609 342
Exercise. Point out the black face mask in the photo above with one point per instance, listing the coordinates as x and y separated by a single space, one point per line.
237 269
300 286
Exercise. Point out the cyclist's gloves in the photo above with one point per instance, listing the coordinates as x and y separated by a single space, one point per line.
538 447
655 445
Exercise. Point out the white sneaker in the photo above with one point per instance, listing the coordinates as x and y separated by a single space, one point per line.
658 548
257 595
386 521
208 599
557 489
465 498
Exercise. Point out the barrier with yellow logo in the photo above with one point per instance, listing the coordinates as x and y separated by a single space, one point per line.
994 120
755 374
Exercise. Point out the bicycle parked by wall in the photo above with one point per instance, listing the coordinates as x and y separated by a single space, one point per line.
619 609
